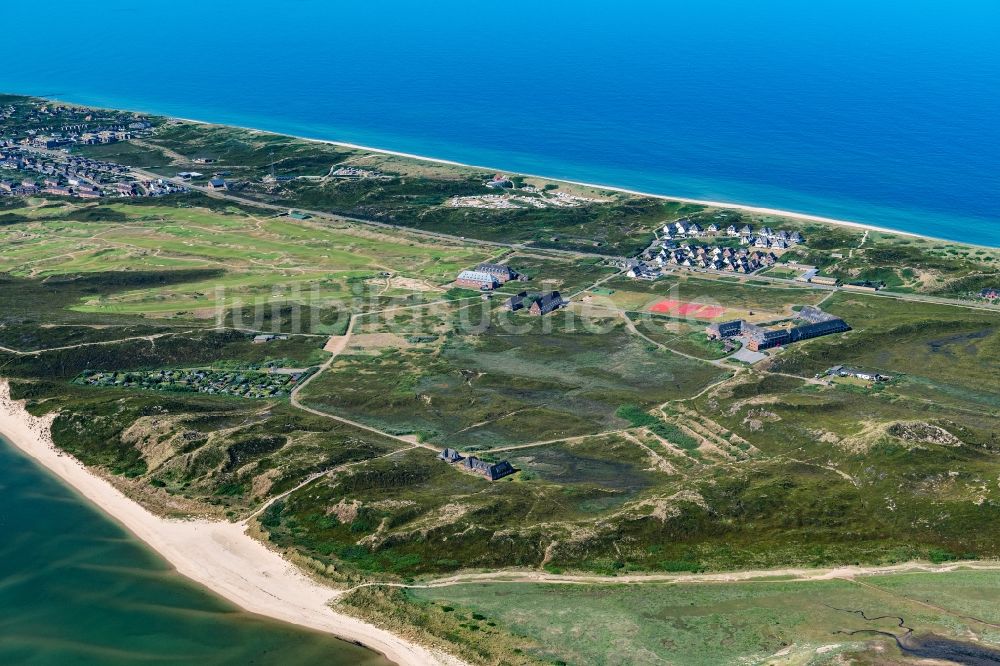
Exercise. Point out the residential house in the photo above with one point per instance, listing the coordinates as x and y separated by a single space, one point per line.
515 302
450 456
267 337
546 303
491 471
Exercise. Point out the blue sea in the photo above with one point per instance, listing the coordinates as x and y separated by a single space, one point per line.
78 590
882 112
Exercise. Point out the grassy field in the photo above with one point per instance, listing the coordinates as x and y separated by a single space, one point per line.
413 514
407 192
679 335
559 273
759 622
254 259
741 301
937 344
518 379
637 446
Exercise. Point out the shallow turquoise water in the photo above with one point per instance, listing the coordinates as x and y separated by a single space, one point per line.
882 112
75 588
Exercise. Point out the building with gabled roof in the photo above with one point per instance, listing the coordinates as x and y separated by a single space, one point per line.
501 272
515 302
724 329
491 471
476 280
546 303
450 456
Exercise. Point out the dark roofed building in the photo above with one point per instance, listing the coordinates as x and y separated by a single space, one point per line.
827 327
725 329
450 456
766 339
217 184
491 471
814 315
500 470
501 272
762 338
546 303
516 302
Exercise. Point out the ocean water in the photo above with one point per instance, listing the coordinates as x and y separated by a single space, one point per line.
882 112
75 588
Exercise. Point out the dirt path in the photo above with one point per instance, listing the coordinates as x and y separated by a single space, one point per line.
141 173
759 575
339 345
319 475
529 445
149 338
172 154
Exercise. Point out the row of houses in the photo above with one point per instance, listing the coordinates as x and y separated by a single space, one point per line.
685 228
816 324
26 159
489 471
715 258
46 119
104 136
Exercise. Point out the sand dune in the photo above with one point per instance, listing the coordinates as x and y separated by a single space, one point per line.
218 555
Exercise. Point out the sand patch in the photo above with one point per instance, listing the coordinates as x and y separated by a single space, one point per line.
372 341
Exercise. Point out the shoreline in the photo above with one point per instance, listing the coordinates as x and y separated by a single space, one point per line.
762 210
217 555
805 217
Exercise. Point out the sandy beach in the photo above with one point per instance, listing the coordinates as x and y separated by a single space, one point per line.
805 217
217 555
762 210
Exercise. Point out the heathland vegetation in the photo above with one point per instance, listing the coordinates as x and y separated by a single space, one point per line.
640 446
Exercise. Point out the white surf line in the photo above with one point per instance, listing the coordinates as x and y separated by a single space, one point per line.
763 210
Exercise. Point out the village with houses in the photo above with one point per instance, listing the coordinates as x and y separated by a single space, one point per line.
685 244
36 157
255 383
62 174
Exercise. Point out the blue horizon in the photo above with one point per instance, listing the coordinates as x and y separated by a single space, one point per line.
881 116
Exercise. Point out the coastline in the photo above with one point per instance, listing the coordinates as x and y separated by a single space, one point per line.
762 210
217 555
805 217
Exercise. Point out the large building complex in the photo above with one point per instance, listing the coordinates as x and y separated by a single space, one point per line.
501 272
815 323
476 280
